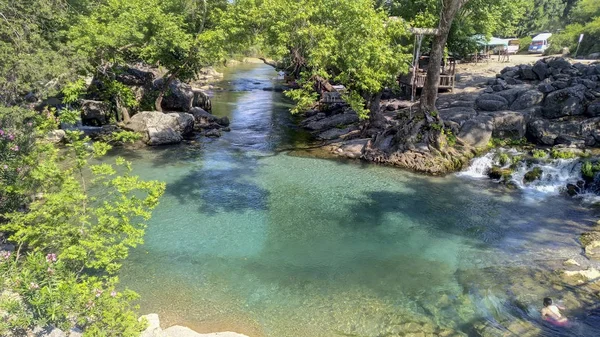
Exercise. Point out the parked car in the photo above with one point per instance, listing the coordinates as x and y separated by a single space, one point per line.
540 43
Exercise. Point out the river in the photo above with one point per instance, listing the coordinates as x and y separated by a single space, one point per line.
252 238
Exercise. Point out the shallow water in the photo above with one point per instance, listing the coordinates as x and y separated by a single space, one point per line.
253 239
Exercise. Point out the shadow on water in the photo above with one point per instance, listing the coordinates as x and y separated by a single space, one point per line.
225 188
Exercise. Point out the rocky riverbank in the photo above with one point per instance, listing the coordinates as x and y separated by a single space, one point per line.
551 103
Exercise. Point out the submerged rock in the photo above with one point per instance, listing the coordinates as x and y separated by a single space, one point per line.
533 175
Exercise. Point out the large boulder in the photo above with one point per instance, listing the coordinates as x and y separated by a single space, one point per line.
491 102
201 100
545 132
527 100
202 116
161 128
526 72
510 95
593 110
541 70
510 124
458 114
477 132
565 102
558 63
178 96
342 119
134 77
94 113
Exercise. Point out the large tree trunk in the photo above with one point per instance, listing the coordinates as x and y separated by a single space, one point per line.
163 90
430 88
432 82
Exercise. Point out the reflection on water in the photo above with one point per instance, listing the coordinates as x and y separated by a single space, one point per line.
251 239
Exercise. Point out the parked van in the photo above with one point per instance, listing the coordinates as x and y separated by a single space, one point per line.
513 45
540 43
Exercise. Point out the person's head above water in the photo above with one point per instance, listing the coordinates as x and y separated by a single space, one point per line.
547 301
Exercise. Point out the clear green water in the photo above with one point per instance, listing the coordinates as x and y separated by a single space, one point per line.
257 240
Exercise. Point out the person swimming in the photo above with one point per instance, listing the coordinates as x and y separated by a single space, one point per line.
551 313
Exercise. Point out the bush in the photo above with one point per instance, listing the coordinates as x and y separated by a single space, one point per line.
71 243
562 154
524 44
539 154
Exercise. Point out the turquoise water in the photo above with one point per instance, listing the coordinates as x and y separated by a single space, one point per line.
252 238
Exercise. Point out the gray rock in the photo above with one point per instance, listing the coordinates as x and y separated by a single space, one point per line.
202 116
333 121
545 132
559 63
134 76
527 73
153 329
589 83
593 110
527 99
56 136
510 124
201 100
510 74
594 56
49 332
178 97
223 121
352 148
458 115
159 128
213 133
477 132
560 84
335 133
541 70
94 113
546 88
489 105
564 102
511 94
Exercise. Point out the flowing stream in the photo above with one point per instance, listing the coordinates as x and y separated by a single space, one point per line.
252 238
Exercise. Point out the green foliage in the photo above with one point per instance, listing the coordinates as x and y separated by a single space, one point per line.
73 90
562 154
589 170
504 159
585 20
533 175
346 42
75 221
46 292
35 59
507 142
524 44
539 154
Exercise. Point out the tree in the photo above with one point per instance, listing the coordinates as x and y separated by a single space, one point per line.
35 60
345 42
169 34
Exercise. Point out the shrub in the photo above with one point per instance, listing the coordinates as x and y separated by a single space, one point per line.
524 44
539 154
589 170
562 154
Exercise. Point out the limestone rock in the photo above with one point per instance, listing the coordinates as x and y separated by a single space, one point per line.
541 70
491 102
564 102
159 128
477 132
178 96
335 133
581 276
333 121
201 100
457 114
545 132
353 148
132 76
527 100
56 136
153 329
593 110
510 124
94 113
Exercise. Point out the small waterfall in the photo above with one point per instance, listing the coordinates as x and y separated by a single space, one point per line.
556 174
479 166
